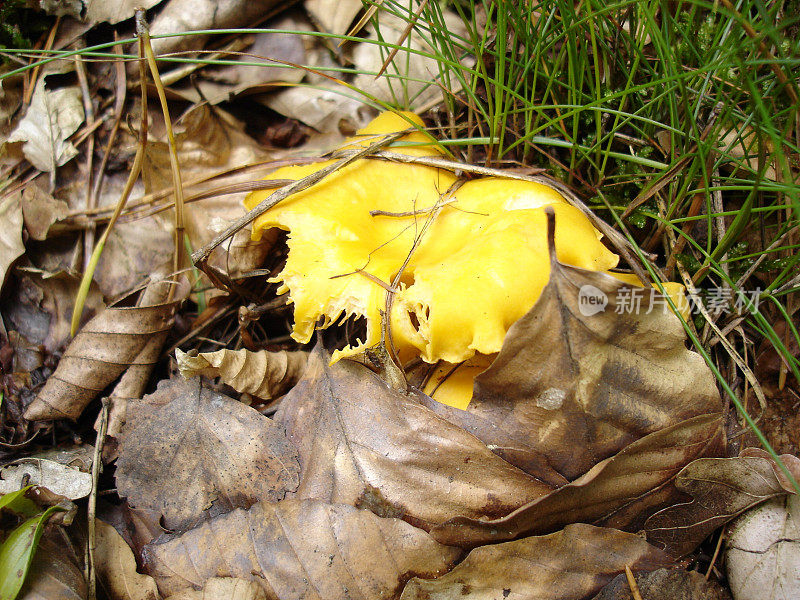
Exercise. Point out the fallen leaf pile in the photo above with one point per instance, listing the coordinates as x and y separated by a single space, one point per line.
435 389
571 442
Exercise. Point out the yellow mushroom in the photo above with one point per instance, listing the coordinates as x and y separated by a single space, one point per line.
475 256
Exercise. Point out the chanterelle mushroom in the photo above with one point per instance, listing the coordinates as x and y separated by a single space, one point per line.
480 262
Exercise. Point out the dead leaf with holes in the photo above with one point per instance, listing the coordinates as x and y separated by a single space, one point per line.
191 453
263 374
301 549
570 564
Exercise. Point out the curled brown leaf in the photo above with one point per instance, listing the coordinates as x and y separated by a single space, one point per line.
113 341
621 491
263 374
592 367
720 489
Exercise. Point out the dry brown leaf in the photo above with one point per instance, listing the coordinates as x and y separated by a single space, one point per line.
575 386
619 492
568 565
364 444
263 374
420 73
675 584
43 308
134 249
116 567
104 348
333 16
59 478
721 489
743 146
189 15
762 557
301 549
229 588
52 117
114 11
191 453
222 83
11 246
59 291
328 111
40 210
10 100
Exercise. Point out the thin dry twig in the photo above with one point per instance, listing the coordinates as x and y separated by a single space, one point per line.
412 22
363 20
637 595
97 464
26 99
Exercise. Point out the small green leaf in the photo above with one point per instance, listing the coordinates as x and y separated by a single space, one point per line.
19 503
17 551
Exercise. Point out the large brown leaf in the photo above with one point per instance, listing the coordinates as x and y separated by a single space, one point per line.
301 549
191 453
574 386
621 491
362 443
721 489
568 565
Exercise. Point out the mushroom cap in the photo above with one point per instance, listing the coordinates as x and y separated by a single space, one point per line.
469 260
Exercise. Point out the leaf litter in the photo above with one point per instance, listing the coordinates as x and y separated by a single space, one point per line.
220 454
583 431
